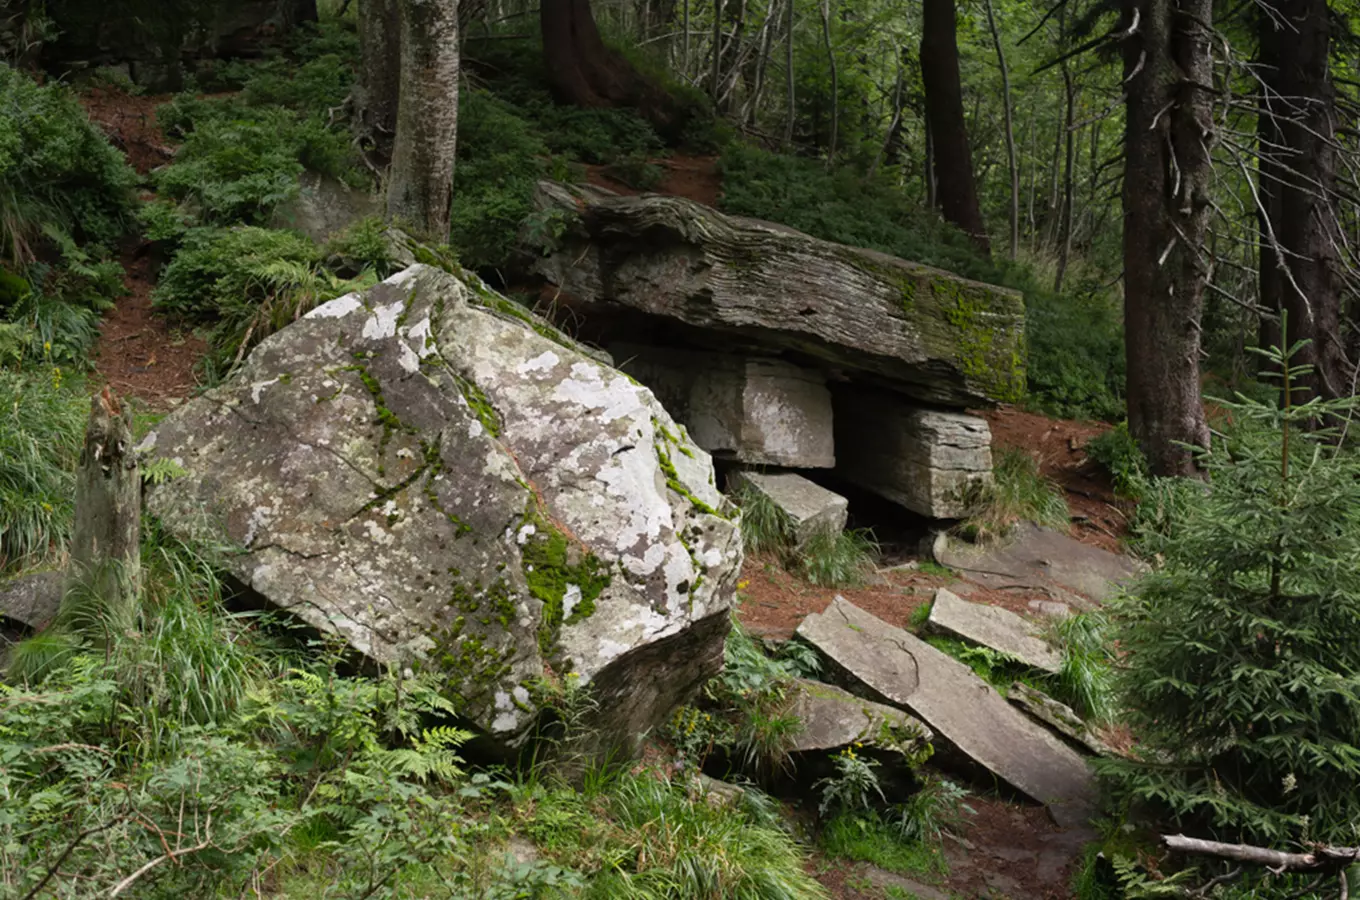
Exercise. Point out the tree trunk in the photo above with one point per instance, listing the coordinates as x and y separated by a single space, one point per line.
1069 165
105 576
1011 163
891 137
380 78
582 71
1169 132
715 70
420 189
1305 224
789 79
953 159
835 82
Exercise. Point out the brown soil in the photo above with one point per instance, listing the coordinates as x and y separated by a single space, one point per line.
695 177
139 354
130 123
1099 517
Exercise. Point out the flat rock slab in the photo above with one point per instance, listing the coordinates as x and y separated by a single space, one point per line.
965 713
32 599
834 718
1040 558
810 508
994 627
921 331
1058 716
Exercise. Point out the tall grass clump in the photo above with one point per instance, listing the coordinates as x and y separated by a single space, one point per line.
1019 492
1240 654
826 557
41 428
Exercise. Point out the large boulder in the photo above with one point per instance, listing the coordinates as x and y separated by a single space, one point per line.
931 335
446 482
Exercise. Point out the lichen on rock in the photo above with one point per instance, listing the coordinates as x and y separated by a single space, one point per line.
443 485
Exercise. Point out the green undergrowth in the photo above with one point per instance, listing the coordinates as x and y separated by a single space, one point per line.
42 423
66 197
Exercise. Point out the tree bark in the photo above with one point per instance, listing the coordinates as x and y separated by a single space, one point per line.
789 79
105 580
1307 279
715 71
1169 132
835 82
582 71
1069 165
380 80
953 159
1011 163
420 189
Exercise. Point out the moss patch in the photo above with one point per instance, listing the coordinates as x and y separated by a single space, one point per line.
481 406
552 564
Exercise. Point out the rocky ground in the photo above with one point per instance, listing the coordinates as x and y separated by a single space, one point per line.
1005 848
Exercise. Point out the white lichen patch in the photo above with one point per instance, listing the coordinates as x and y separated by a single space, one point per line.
570 599
507 714
337 308
257 388
614 398
545 361
382 324
259 518
148 443
421 334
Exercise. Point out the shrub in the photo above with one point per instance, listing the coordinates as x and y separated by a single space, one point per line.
41 427
56 169
1117 453
1240 653
249 282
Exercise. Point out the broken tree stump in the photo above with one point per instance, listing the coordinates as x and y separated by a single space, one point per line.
105 574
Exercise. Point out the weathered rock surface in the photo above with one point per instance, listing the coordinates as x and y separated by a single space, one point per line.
809 508
32 599
445 482
994 627
922 331
966 714
934 463
834 718
324 207
752 409
1073 572
1058 716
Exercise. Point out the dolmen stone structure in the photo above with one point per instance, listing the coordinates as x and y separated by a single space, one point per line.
776 348
447 483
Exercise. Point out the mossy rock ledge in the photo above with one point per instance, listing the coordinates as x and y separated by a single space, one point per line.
920 331
447 486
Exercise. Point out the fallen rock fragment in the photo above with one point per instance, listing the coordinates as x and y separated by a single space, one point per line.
808 507
994 627
966 714
1058 716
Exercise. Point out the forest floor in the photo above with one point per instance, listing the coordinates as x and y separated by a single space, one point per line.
1002 849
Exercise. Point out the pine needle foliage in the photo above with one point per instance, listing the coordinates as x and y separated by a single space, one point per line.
1241 667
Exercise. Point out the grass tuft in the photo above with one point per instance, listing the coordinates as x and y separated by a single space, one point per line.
1019 492
836 559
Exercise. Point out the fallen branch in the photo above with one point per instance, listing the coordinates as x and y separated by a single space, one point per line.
1276 860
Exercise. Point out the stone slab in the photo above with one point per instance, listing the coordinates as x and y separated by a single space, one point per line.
834 718
810 508
933 463
753 409
994 627
32 599
918 330
1060 717
965 713
1043 559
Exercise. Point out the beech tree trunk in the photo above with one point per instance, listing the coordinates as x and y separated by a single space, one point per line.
582 71
835 82
1300 231
953 159
420 189
1169 133
789 79
1069 165
380 74
105 578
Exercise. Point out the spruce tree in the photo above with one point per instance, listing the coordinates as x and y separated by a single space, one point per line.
1241 653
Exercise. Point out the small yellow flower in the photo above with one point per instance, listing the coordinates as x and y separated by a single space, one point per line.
741 585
